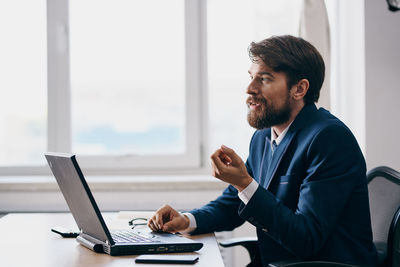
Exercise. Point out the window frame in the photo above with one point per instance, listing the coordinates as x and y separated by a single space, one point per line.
59 133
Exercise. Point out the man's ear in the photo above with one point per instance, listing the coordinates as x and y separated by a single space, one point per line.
299 90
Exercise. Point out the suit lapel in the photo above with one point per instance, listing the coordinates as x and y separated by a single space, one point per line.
276 159
278 154
265 162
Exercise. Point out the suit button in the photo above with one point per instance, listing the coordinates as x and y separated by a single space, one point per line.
265 230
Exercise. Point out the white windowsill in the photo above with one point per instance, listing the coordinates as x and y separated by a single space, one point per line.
115 183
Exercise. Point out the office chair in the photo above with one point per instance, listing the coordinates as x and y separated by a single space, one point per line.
384 197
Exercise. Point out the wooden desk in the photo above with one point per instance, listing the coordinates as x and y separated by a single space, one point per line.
26 240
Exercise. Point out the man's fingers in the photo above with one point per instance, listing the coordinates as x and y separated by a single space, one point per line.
230 153
159 219
227 166
224 157
152 225
215 172
161 216
217 163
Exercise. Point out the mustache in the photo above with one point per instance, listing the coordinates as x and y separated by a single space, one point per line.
256 100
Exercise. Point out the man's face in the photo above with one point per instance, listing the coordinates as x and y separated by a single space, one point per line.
269 102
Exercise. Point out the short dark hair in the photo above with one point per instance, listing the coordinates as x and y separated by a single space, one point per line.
295 57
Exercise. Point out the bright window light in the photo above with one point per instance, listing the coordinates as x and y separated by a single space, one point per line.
23 82
127 77
228 61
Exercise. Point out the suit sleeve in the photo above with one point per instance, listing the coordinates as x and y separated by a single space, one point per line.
220 214
334 165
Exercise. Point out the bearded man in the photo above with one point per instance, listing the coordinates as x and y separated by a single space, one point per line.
304 183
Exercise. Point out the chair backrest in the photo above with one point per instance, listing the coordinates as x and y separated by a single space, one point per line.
384 196
394 240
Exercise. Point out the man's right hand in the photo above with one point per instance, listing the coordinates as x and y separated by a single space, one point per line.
167 219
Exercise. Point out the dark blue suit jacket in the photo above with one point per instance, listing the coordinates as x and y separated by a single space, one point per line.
312 199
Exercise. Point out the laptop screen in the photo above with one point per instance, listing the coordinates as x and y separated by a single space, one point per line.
78 195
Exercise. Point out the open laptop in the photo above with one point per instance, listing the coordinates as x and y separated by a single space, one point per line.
94 233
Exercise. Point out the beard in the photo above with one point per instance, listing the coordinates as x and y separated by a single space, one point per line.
267 115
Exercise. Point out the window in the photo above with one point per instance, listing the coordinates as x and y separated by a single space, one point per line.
146 85
228 61
127 77
128 84
23 130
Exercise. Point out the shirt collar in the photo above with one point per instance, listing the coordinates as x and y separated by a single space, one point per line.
276 138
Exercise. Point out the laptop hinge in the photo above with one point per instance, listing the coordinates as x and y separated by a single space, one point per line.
90 242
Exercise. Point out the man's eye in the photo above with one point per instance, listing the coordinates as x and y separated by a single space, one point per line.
265 79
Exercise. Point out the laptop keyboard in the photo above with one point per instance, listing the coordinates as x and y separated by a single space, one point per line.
121 236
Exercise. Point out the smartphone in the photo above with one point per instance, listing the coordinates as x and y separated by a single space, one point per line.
176 259
64 232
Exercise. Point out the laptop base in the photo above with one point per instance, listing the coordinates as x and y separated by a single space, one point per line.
100 247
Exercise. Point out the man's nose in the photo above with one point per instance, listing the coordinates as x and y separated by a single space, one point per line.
252 89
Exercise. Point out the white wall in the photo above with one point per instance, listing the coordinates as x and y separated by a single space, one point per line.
382 72
346 19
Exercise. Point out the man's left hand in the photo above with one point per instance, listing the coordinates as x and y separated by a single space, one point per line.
229 167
